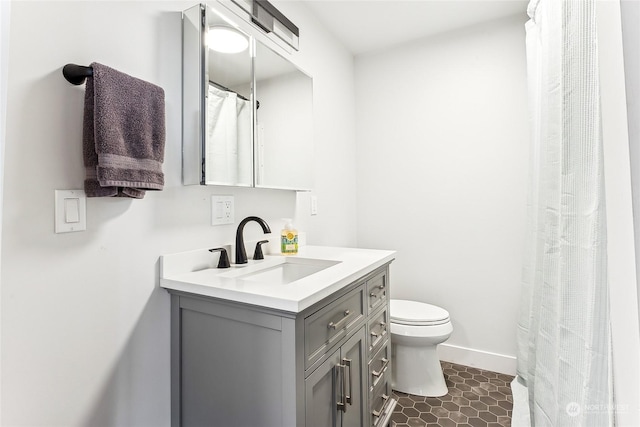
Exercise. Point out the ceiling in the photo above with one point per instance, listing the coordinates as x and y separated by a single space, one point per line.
369 25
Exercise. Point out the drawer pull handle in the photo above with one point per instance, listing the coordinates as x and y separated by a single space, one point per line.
342 404
385 363
384 401
339 324
347 364
377 294
378 336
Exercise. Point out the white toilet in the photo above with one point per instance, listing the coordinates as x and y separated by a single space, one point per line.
416 330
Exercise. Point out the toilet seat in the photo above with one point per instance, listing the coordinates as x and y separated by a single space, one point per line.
414 313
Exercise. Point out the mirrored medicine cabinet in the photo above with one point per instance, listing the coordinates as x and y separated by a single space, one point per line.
247 108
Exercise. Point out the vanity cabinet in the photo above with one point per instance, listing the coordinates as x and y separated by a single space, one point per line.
236 364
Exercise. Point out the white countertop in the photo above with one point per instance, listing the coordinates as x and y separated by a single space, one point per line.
195 272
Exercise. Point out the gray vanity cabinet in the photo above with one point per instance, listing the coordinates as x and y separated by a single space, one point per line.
235 364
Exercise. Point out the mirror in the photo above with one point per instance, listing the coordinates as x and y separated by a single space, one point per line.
284 123
247 111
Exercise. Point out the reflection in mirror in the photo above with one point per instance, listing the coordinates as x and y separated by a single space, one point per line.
284 123
228 154
228 137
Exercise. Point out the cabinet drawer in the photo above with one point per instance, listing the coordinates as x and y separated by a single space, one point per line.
378 331
331 323
377 291
381 404
379 367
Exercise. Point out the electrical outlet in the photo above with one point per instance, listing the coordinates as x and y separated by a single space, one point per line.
227 210
222 211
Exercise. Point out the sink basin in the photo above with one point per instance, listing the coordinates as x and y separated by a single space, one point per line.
287 270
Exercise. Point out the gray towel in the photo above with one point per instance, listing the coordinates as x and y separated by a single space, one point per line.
123 134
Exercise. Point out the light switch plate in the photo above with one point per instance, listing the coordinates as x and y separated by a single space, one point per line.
222 210
314 204
70 211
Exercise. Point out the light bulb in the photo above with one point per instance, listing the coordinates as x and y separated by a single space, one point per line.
226 40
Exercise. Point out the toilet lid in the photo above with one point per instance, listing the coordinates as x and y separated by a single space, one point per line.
417 313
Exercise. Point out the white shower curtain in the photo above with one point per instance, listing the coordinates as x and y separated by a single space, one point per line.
564 350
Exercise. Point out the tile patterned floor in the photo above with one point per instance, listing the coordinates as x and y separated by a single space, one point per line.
476 398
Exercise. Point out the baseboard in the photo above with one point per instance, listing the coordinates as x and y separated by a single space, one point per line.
477 358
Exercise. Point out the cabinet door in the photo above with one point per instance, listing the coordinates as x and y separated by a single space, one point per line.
321 394
353 358
335 391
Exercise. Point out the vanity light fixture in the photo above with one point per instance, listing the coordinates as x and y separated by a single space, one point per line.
226 40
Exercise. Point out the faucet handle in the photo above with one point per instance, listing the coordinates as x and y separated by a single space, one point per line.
258 252
223 261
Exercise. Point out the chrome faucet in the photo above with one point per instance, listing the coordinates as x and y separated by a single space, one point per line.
241 253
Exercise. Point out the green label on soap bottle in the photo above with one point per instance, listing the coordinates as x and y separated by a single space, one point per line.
289 243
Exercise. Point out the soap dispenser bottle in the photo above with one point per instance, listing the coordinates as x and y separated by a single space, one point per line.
288 238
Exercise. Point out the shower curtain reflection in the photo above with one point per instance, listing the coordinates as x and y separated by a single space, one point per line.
229 158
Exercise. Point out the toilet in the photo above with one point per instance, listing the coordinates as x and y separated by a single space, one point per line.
416 330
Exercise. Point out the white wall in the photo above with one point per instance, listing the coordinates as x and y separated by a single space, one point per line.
618 98
335 132
85 327
5 21
630 14
442 149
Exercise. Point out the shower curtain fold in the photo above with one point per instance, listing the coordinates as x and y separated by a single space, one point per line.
564 351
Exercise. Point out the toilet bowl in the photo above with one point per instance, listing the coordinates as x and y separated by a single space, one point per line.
416 330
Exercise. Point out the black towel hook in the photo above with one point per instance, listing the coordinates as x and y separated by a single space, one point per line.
76 74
